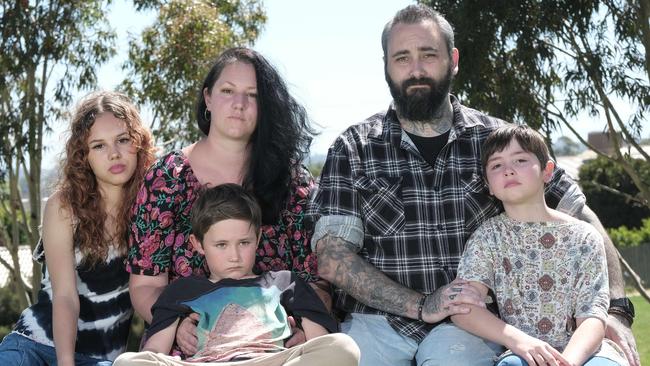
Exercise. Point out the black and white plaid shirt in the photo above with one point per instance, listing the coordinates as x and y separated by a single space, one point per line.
409 219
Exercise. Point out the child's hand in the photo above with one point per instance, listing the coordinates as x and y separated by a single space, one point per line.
537 352
297 334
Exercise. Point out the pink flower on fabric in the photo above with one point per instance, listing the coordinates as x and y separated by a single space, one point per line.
141 198
182 266
180 240
145 263
297 235
166 219
158 184
169 239
154 213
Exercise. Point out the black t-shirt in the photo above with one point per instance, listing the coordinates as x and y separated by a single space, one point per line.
430 147
240 319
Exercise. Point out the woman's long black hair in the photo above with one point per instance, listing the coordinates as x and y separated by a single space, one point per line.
281 138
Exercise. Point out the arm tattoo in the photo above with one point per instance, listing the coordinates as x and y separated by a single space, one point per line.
433 303
339 263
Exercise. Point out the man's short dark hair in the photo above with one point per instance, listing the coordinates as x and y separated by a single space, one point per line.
224 202
530 141
414 14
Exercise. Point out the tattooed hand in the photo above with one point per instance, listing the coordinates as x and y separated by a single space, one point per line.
450 300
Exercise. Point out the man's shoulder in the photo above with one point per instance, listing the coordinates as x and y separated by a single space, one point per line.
371 126
473 117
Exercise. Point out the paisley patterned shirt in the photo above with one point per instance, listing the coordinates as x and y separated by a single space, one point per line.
160 226
544 274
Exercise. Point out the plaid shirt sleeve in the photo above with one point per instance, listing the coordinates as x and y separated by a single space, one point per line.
335 206
564 194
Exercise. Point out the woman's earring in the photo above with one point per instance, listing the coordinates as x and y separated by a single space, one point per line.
206 115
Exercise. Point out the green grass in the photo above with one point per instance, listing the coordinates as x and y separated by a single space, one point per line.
641 328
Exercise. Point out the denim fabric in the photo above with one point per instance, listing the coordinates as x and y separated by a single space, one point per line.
17 350
446 344
514 360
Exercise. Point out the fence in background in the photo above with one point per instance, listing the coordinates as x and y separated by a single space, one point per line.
639 259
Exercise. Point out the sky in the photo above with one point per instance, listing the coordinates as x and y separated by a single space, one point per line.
329 53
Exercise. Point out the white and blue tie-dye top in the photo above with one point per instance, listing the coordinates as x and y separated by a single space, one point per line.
104 307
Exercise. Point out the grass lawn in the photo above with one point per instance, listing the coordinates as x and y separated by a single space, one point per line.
641 328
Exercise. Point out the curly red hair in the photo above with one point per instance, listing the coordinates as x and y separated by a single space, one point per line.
78 187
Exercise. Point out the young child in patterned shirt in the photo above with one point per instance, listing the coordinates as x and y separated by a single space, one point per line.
546 268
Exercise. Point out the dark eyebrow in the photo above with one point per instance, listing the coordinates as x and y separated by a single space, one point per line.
421 49
102 140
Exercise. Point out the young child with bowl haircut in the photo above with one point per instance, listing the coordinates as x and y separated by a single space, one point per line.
547 269
243 318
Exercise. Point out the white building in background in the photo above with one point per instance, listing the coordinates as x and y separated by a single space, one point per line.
571 164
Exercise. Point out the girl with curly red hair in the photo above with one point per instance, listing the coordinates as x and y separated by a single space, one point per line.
83 311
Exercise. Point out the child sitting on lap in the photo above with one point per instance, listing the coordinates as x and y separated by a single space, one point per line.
547 269
244 318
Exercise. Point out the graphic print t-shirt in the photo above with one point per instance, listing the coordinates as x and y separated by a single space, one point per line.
240 319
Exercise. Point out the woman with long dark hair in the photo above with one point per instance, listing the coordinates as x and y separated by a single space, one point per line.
256 135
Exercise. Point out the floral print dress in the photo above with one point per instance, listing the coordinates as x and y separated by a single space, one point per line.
160 226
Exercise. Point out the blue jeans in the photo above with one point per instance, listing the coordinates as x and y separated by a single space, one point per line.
17 350
446 344
514 360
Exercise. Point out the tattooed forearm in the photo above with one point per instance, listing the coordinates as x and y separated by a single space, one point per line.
339 263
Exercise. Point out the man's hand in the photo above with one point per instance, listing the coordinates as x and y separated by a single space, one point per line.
620 333
450 300
297 334
186 335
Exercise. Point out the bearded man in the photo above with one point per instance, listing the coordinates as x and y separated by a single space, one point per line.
399 195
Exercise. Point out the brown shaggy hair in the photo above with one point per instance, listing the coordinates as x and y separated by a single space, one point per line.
78 187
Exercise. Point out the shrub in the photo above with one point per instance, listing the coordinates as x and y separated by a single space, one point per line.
614 210
624 237
9 308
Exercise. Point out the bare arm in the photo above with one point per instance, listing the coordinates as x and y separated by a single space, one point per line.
144 291
484 324
339 263
618 329
59 256
312 329
162 341
585 341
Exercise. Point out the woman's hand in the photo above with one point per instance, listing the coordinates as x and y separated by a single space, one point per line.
186 335
297 335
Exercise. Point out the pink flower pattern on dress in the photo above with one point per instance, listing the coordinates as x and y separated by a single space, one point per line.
159 233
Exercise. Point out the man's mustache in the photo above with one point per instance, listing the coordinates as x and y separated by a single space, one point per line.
417 82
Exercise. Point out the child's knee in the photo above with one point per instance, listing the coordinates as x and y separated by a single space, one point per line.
344 350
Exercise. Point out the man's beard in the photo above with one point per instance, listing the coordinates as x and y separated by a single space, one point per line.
421 104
